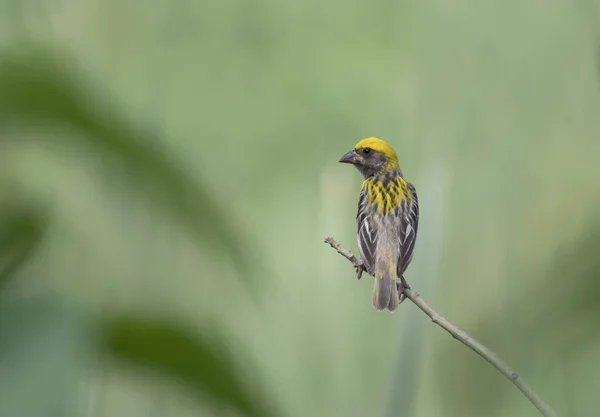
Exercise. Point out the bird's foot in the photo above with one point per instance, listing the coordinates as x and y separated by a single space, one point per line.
360 268
402 297
402 285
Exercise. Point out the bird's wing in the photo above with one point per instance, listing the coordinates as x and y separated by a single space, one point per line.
367 231
408 229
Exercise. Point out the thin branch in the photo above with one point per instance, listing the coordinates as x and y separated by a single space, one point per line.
357 262
459 335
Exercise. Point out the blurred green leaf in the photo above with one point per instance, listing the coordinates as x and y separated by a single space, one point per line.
169 349
21 230
39 90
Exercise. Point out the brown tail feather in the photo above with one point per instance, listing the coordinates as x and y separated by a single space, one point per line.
385 294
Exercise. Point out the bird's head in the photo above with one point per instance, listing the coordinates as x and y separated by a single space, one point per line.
372 156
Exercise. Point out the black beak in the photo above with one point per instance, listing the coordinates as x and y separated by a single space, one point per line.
351 157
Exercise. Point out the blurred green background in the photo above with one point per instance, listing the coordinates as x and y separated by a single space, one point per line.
168 170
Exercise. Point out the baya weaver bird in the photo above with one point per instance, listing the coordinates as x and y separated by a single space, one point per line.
387 219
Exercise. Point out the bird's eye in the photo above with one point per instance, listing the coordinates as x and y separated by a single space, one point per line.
366 150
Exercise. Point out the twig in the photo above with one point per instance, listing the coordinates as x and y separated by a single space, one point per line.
459 335
357 262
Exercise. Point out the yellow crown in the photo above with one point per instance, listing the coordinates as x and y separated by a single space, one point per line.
379 146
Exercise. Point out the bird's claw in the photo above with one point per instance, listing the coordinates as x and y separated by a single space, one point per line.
360 268
402 285
402 297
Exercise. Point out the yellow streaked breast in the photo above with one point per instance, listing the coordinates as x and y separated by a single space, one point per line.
386 196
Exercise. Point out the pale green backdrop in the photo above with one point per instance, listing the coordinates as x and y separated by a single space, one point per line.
492 107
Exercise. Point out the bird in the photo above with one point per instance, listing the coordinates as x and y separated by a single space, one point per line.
387 219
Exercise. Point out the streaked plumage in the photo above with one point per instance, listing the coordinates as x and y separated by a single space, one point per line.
387 219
